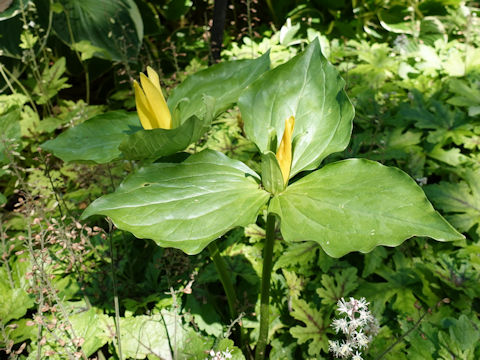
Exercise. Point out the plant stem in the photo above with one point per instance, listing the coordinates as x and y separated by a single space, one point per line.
115 293
402 337
265 294
223 272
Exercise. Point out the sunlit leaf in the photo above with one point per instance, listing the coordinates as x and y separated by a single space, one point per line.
310 89
224 82
185 205
96 140
355 205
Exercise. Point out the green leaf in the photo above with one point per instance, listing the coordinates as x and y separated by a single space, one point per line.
10 133
87 50
294 283
314 330
162 142
93 327
272 178
453 156
224 82
465 332
460 201
466 94
226 346
11 30
393 19
355 205
297 253
334 288
15 301
96 140
309 88
205 316
114 26
185 205
145 335
51 81
9 9
373 260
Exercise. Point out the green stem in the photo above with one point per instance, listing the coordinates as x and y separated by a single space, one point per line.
265 295
223 272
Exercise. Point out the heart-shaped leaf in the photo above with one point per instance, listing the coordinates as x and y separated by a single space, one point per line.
224 82
185 205
96 140
309 88
355 205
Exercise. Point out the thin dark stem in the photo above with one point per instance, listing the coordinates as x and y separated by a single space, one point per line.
216 39
265 294
223 272
115 293
402 337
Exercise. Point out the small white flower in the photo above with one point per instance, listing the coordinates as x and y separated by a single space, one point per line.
333 347
362 303
358 326
354 324
227 354
357 356
361 340
345 349
340 325
343 307
365 315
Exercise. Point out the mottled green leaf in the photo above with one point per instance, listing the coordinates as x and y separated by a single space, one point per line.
355 205
14 299
94 328
309 88
185 205
297 253
315 329
149 335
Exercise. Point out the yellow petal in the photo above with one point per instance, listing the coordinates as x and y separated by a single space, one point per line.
153 76
284 152
143 108
157 103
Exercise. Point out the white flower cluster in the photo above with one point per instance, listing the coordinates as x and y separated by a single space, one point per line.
357 324
220 355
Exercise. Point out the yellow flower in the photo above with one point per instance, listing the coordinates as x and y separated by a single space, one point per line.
151 105
284 152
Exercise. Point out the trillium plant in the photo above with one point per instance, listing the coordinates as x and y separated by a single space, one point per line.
297 114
